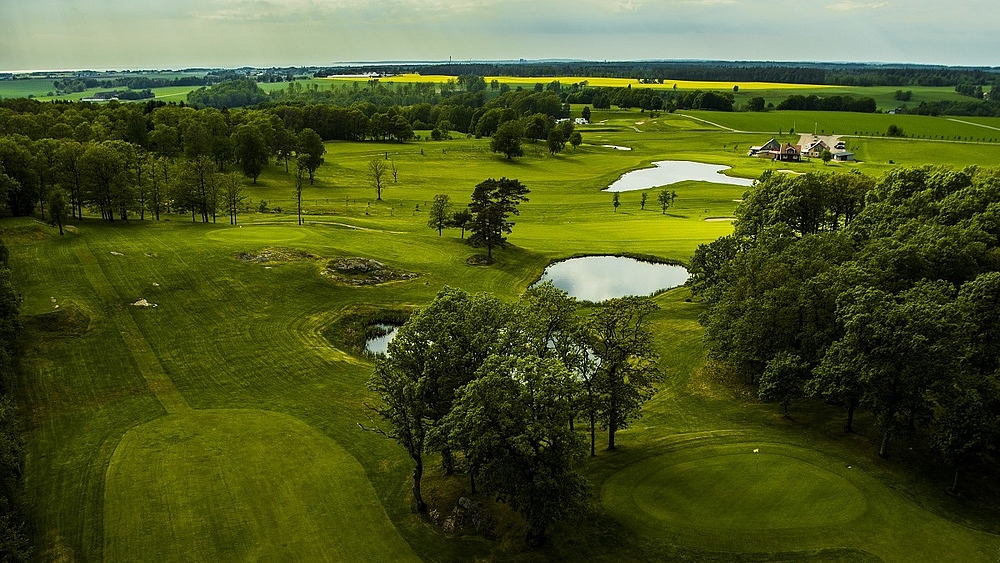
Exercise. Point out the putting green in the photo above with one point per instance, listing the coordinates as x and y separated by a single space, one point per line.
258 234
733 488
241 485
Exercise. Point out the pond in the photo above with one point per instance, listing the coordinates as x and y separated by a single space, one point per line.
666 172
596 278
380 344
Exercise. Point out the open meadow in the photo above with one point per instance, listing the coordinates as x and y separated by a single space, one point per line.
222 424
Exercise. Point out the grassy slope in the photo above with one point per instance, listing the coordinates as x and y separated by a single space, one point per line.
240 344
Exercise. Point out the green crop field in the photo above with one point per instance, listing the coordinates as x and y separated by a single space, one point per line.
220 425
853 124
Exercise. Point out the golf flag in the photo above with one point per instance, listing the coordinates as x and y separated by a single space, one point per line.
756 450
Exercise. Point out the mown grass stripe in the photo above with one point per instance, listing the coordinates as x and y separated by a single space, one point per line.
145 358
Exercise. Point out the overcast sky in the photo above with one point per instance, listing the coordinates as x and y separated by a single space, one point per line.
144 34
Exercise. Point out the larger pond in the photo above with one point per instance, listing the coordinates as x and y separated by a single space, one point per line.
666 172
596 278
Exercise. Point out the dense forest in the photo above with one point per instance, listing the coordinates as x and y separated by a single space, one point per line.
882 296
14 546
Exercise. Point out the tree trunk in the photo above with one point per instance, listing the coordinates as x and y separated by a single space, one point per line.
447 462
472 480
883 450
418 473
593 434
954 484
849 427
535 536
612 428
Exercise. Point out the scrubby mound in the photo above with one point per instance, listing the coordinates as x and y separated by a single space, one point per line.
274 254
25 233
68 320
363 271
478 260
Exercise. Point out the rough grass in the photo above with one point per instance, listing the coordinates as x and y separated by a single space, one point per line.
265 412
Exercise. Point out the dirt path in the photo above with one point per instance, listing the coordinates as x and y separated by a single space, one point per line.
974 124
713 124
145 358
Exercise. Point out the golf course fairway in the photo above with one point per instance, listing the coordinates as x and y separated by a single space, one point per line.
213 485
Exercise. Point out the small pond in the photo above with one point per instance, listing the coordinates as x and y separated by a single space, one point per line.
596 278
666 172
380 344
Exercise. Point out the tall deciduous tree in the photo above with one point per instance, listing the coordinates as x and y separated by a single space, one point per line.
461 219
440 213
898 343
251 150
493 202
105 175
402 406
72 175
377 169
666 199
575 139
627 371
300 168
783 379
556 140
512 420
58 202
233 194
507 139
311 146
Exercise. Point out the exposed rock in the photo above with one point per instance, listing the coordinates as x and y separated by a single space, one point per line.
274 254
363 271
467 517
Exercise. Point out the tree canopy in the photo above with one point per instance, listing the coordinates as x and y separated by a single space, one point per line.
493 202
879 295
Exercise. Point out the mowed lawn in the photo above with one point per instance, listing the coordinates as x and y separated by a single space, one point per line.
220 425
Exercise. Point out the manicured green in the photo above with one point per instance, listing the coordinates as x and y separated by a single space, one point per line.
222 425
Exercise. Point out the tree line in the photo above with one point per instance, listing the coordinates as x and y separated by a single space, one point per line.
14 544
877 295
129 170
495 389
841 74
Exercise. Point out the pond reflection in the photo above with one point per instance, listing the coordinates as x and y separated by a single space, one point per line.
666 172
596 278
380 344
